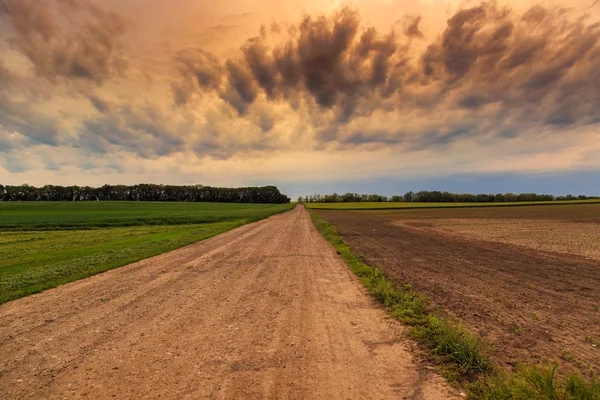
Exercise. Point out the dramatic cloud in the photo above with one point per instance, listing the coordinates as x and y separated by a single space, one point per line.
411 27
53 48
43 31
539 62
197 68
326 58
539 68
17 115
440 90
143 130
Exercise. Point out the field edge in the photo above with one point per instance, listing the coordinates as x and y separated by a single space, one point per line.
163 248
459 355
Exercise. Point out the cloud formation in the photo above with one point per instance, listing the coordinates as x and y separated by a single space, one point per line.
327 83
56 47
43 31
327 58
538 68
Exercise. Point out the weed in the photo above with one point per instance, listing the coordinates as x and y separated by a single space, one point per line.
591 341
534 382
516 329
567 355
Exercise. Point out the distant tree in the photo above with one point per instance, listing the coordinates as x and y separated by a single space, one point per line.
143 192
350 197
510 197
437 196
482 198
373 198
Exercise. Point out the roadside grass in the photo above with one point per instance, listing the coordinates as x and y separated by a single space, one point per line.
410 204
460 356
536 382
37 255
451 345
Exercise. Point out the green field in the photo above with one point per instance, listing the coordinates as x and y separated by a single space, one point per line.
414 204
43 245
81 215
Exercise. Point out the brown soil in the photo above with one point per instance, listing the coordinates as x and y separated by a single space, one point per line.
582 239
267 310
528 304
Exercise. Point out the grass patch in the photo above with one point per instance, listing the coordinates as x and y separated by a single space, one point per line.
40 215
460 355
31 262
43 245
536 383
414 204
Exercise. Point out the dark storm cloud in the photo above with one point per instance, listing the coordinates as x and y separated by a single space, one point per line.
68 42
261 66
378 137
143 130
242 88
100 104
490 73
537 69
330 59
411 27
197 68
19 115
47 32
500 57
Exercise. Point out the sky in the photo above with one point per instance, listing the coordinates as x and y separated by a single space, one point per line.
379 96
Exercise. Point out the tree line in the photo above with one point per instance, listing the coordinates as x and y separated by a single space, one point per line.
144 192
437 197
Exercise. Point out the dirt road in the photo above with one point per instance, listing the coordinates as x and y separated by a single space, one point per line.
267 310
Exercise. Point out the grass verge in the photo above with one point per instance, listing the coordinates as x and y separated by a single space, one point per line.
460 355
537 382
451 345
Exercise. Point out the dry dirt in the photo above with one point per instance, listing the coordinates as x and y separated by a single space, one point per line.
530 296
267 310
577 238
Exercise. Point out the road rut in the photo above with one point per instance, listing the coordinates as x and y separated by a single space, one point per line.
267 310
